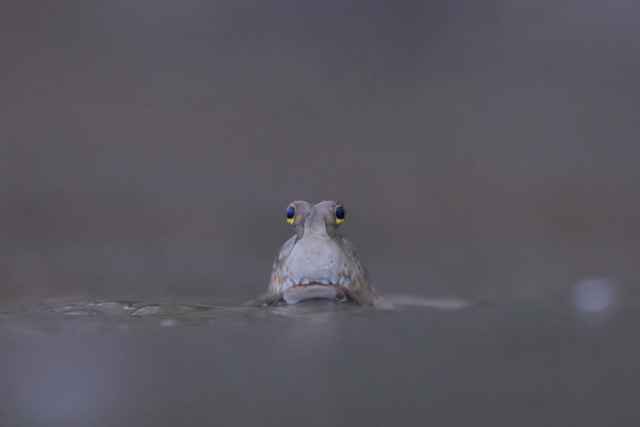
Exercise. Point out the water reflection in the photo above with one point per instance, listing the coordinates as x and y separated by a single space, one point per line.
594 295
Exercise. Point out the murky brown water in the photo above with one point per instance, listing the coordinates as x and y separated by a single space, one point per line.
413 360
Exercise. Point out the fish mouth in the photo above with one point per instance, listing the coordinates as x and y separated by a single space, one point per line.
299 292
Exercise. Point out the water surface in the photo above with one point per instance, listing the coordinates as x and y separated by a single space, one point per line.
132 363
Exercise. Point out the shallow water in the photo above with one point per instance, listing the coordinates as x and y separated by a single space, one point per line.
414 361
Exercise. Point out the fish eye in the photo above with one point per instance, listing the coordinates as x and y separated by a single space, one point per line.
291 214
340 214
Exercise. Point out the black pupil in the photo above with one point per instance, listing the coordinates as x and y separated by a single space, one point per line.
291 212
340 212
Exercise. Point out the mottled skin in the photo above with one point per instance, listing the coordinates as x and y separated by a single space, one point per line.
318 262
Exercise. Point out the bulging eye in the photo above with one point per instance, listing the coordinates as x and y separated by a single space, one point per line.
291 214
340 214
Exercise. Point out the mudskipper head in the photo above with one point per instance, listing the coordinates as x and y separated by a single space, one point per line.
318 262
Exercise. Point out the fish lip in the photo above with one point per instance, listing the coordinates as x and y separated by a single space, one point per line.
342 288
302 285
342 292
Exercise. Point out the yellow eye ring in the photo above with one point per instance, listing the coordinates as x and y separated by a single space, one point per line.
341 214
291 215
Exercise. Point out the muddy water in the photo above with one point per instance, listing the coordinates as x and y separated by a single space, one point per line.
413 360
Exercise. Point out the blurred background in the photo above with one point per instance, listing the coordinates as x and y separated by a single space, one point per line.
486 150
